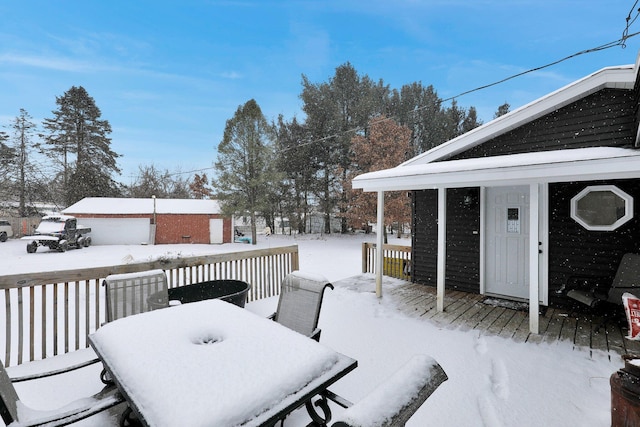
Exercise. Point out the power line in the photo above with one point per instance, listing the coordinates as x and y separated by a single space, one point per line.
620 42
630 21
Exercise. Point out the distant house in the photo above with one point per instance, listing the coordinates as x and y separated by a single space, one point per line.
160 221
515 207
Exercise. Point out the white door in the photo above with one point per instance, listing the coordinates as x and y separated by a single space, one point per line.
216 227
507 242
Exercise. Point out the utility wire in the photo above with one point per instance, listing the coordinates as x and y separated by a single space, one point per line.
630 21
620 42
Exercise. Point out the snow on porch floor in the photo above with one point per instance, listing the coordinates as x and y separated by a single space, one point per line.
467 311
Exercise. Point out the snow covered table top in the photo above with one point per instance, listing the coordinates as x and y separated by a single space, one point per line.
213 363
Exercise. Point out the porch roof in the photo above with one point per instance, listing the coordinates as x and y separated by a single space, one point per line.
581 164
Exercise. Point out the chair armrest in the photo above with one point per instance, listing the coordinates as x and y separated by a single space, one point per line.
596 286
51 373
584 297
395 401
78 410
341 401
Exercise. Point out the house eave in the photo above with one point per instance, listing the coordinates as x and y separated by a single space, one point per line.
586 164
619 77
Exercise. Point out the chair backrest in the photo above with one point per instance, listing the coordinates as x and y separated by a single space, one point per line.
8 398
393 402
300 301
133 293
627 278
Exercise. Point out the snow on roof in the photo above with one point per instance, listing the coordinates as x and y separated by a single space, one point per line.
545 166
619 77
421 171
111 205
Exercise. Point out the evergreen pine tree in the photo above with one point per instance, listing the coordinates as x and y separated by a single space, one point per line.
23 145
502 110
245 164
78 139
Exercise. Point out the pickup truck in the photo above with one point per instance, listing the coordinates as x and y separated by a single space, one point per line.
58 232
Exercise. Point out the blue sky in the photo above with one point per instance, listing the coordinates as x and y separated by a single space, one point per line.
168 74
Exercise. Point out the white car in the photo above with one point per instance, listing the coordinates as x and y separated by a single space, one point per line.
5 230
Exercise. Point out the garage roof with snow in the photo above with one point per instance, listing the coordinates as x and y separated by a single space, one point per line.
121 206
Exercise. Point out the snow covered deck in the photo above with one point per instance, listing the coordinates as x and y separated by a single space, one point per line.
487 383
468 311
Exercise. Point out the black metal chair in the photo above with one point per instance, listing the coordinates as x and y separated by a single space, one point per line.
627 279
393 402
300 302
133 293
14 411
128 294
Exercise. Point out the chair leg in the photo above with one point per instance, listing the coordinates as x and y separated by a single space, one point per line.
105 377
603 322
128 419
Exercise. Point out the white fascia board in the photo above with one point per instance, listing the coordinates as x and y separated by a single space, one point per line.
621 77
511 171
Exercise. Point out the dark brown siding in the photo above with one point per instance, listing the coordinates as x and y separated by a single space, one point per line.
573 250
425 236
636 102
605 118
463 238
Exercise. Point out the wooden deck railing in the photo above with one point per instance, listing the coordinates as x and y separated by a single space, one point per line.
396 260
51 313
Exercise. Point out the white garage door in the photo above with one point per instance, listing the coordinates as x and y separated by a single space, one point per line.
117 231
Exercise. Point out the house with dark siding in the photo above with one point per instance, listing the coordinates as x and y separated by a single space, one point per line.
516 206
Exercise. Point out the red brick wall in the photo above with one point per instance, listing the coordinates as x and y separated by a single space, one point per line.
193 228
182 228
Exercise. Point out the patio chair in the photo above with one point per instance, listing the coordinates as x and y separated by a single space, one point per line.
393 402
300 301
128 294
16 413
627 279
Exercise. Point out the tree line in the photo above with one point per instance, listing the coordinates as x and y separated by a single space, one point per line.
293 169
284 168
68 157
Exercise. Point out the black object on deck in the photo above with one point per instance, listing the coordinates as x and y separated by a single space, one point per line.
233 291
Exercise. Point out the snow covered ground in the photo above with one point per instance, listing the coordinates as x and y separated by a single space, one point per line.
493 382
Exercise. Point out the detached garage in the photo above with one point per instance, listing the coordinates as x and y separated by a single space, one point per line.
118 221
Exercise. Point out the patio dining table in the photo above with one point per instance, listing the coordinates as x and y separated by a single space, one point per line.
213 363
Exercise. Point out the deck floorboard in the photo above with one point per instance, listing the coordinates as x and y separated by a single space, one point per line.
467 311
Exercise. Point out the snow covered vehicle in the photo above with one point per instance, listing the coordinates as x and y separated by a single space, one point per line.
58 232
5 230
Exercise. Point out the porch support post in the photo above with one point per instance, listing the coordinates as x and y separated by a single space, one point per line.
534 259
380 243
442 247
